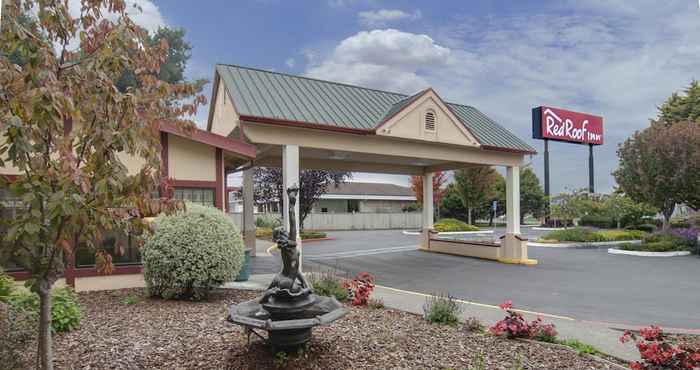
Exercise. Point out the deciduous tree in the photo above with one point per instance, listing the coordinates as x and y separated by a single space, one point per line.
660 165
532 199
474 186
439 189
682 107
63 125
313 183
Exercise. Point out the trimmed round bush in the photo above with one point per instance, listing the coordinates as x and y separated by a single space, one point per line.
191 252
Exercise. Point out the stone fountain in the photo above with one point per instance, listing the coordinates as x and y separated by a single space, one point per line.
288 309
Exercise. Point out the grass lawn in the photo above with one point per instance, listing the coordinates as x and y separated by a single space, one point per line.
126 330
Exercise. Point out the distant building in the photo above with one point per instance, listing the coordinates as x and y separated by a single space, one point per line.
349 197
365 197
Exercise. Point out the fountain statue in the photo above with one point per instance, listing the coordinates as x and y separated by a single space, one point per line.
288 309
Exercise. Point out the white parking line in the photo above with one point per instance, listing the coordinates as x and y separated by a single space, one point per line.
366 252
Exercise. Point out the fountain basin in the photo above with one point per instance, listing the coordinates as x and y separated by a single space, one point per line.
287 324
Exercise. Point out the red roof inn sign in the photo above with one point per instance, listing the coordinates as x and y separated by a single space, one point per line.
563 125
573 127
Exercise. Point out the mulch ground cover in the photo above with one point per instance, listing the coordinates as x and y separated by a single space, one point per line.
123 329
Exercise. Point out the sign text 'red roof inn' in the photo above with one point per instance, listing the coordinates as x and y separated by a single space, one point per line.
563 125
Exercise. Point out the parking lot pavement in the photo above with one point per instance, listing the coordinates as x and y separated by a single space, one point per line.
587 284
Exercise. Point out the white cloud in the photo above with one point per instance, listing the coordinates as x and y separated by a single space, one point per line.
143 12
290 62
612 58
382 17
387 59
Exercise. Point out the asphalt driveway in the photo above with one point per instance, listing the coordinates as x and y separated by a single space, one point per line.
586 284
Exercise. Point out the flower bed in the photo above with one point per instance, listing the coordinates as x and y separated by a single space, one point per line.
154 333
583 235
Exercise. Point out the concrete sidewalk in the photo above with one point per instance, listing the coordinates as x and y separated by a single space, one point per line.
596 334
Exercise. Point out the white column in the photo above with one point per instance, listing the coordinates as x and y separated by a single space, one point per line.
290 178
427 210
248 214
428 201
513 200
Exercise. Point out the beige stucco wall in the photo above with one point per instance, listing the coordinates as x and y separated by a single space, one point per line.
133 163
465 249
410 123
380 145
225 117
189 160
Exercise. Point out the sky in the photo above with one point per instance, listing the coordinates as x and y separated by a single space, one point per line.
613 58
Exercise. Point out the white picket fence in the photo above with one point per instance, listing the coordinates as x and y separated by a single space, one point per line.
351 221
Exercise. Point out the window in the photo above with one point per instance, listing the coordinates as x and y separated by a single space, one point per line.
324 210
353 205
10 207
203 196
430 120
129 255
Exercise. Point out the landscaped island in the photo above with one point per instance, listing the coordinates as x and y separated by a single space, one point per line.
584 235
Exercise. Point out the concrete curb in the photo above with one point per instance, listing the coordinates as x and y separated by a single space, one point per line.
648 254
406 232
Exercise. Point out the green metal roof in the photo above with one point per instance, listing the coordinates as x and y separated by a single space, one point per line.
273 95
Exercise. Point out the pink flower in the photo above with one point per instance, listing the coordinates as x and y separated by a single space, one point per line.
507 305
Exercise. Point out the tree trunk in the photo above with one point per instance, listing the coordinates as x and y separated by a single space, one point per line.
668 212
469 215
666 225
618 224
45 350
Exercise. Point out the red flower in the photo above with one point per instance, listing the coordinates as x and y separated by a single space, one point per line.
507 305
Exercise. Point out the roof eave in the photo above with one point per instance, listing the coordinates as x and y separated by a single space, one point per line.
309 125
508 150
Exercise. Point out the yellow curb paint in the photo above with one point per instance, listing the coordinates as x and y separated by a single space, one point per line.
481 304
528 262
270 248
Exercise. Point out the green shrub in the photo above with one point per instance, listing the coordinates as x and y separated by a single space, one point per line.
680 224
329 285
602 222
574 235
451 224
583 235
264 233
191 252
268 222
621 235
580 347
17 331
442 309
312 235
7 287
661 243
65 310
649 228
